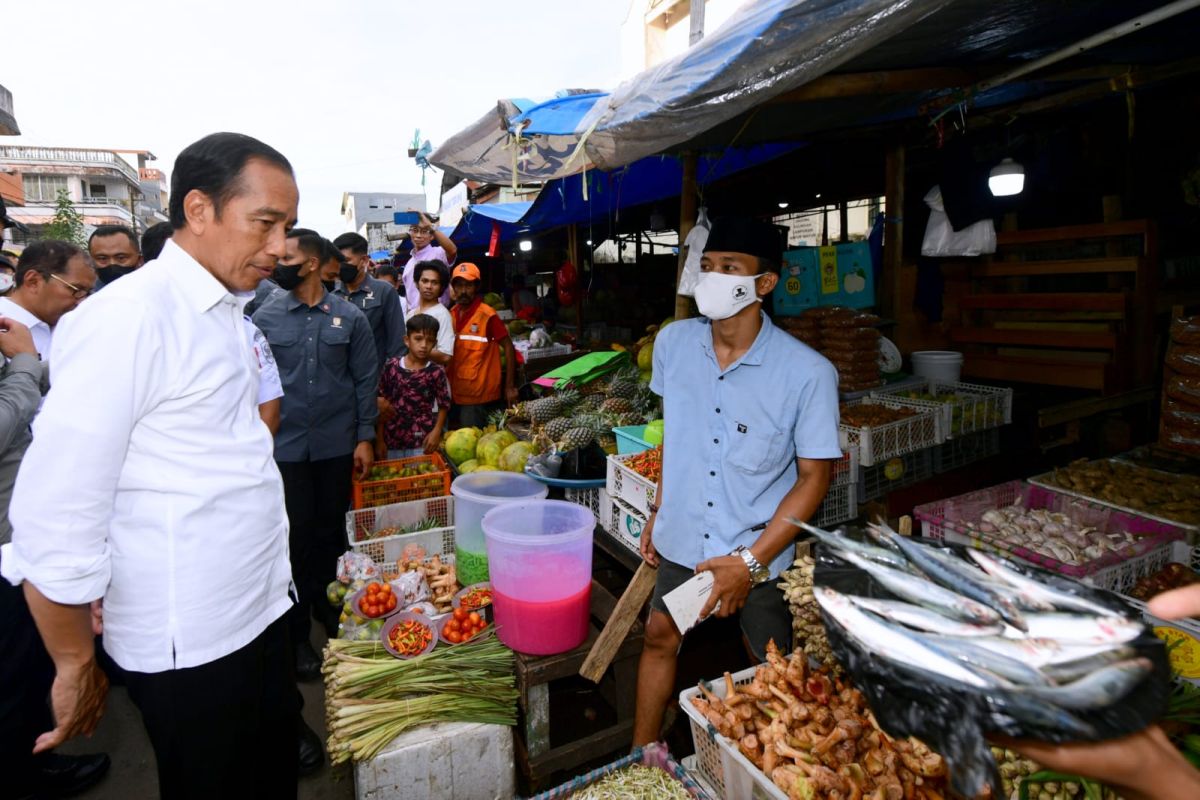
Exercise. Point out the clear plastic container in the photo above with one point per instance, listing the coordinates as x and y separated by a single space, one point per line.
540 558
475 494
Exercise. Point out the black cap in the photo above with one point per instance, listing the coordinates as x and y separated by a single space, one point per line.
8 222
746 235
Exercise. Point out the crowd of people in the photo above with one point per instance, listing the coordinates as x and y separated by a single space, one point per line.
236 371
181 417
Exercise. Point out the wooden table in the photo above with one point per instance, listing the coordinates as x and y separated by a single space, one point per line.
537 758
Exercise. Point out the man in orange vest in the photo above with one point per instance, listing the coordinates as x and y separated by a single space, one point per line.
475 369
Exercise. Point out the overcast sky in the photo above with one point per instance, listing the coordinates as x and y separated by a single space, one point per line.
337 85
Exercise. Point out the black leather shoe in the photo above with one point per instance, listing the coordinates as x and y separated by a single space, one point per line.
308 663
64 776
312 755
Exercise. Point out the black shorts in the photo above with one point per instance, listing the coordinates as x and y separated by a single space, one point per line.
764 617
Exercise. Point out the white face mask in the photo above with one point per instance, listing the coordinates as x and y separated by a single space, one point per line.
6 282
721 296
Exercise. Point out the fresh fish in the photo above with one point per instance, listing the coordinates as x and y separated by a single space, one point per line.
952 573
842 542
915 616
971 654
1083 629
1034 712
880 638
1102 688
1065 671
1034 652
925 593
1001 569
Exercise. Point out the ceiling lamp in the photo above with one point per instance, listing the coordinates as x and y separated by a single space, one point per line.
783 204
1007 178
525 245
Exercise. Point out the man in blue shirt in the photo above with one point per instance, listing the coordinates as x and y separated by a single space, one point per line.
751 430
325 352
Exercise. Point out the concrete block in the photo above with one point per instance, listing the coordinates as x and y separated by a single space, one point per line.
445 761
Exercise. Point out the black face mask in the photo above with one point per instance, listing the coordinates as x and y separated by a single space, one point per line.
347 273
110 274
287 276
329 285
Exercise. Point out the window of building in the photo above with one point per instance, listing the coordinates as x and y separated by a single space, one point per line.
43 187
97 190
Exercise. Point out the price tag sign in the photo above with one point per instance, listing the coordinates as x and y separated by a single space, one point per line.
792 285
1183 651
829 270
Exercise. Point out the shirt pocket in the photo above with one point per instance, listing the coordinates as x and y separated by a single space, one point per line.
335 346
755 450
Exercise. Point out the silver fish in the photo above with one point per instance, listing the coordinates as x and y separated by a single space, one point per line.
999 568
879 555
1081 629
1034 652
878 637
915 616
1078 667
1034 712
954 574
1102 688
970 653
925 593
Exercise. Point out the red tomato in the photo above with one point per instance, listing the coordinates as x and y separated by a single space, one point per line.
453 637
454 625
460 614
474 617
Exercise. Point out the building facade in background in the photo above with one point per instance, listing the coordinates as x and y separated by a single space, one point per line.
371 215
656 30
108 187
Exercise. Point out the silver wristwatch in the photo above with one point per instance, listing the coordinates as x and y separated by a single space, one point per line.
758 573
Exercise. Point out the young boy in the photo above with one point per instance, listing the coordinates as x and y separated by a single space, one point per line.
419 392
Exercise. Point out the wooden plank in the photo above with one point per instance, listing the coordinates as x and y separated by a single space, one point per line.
1008 370
893 232
1035 338
629 607
857 84
537 768
1082 266
1054 301
1098 230
687 220
537 719
1090 406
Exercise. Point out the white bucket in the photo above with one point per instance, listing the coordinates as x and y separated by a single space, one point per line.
939 365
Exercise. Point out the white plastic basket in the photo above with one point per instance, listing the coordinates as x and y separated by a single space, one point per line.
626 485
534 353
595 499
876 444
369 521
624 523
718 760
895 473
975 407
840 504
846 468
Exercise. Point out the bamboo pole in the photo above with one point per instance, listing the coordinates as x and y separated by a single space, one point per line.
687 221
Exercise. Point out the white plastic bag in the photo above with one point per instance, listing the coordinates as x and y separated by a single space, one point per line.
942 240
695 242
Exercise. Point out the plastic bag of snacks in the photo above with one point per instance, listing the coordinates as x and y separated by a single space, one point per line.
356 567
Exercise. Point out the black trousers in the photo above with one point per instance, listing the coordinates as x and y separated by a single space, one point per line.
226 729
26 672
317 495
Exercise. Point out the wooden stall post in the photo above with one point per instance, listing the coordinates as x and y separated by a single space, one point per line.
893 232
687 221
573 254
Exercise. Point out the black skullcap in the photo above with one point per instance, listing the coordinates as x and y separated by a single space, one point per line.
746 235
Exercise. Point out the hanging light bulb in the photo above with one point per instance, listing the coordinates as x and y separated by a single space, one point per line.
783 203
525 245
1007 178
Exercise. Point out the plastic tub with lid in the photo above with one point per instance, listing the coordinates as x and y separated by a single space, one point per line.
475 494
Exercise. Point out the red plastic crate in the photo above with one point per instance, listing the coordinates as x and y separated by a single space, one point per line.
369 494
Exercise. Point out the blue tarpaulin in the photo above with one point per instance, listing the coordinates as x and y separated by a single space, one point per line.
561 202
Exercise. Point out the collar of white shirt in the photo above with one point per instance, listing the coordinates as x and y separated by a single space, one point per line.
197 282
40 330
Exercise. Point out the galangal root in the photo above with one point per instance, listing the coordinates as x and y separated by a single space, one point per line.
815 737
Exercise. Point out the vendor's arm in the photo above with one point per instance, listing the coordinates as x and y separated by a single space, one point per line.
444 352
60 543
497 332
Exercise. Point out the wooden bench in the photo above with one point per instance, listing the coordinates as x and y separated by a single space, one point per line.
1019 325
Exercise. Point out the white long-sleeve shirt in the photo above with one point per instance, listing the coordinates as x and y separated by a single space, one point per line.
150 481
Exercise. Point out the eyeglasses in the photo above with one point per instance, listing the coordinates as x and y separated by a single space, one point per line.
76 292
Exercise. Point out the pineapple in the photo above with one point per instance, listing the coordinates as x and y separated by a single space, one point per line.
498 420
616 405
624 384
557 428
591 403
646 402
576 438
556 405
626 420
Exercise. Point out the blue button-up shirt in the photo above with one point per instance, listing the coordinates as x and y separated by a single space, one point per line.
731 437
326 359
381 305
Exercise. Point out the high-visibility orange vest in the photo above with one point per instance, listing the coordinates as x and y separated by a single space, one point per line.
475 368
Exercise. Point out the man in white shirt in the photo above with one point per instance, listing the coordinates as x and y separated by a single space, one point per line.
52 278
431 279
174 509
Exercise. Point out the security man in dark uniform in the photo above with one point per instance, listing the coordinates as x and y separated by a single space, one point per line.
378 301
327 363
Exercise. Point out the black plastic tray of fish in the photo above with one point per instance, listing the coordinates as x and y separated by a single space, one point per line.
950 644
